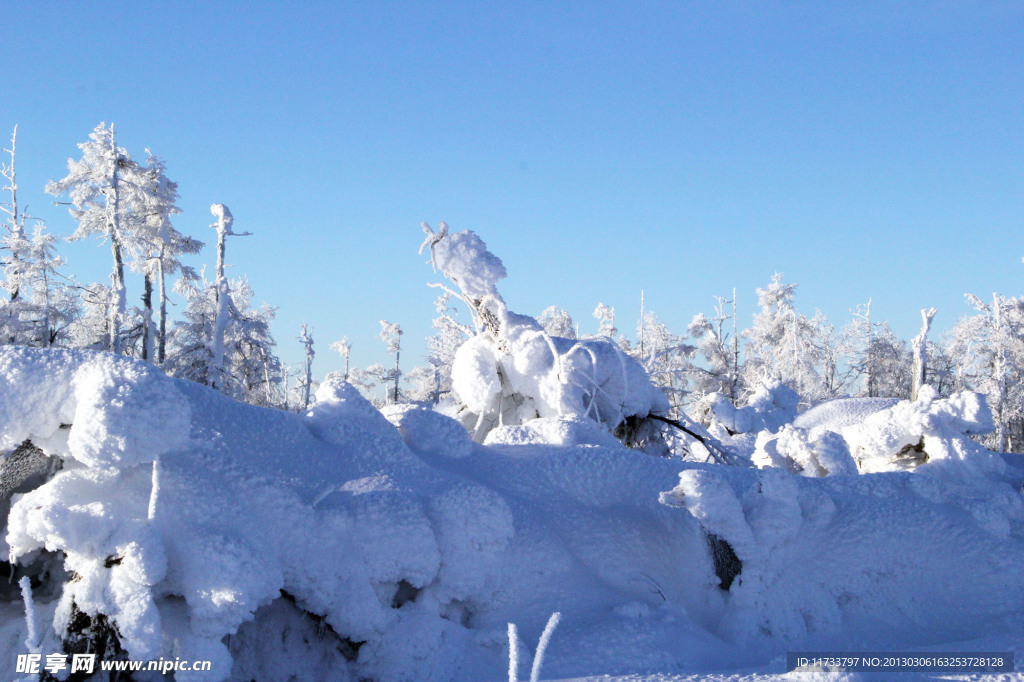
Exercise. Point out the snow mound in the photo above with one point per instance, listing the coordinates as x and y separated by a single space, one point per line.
771 406
809 453
928 430
427 431
885 557
336 545
113 401
552 431
835 414
531 374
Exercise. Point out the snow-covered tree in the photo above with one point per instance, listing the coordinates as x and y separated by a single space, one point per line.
307 379
719 369
107 192
557 322
344 349
877 358
858 339
835 373
605 315
249 369
781 343
990 350
512 370
222 293
391 335
91 330
665 356
920 345
435 380
157 252
40 306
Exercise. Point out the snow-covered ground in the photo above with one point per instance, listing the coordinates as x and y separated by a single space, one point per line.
350 543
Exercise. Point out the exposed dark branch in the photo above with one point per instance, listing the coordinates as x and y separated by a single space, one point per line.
720 452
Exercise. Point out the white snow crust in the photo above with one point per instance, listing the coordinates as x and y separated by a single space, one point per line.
347 544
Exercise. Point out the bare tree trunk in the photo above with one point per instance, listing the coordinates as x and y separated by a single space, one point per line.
868 362
118 305
735 387
147 318
397 354
1000 371
921 352
224 224
161 351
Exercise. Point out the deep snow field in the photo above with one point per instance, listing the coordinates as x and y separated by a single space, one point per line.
349 543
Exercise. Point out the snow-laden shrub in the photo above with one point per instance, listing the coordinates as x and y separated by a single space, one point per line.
929 429
771 406
795 450
868 435
513 370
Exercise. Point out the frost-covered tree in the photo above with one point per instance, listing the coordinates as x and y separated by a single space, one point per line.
157 251
40 306
15 243
990 350
249 369
876 357
605 315
718 371
835 373
107 192
859 335
435 380
942 368
781 343
557 322
91 330
344 349
366 379
222 294
920 345
223 342
391 335
306 339
665 356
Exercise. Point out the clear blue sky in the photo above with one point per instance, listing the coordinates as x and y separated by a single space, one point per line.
864 149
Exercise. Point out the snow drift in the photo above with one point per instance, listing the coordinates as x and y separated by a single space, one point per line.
390 546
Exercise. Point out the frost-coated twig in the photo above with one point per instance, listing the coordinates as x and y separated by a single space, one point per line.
545 638
30 613
719 452
154 490
513 653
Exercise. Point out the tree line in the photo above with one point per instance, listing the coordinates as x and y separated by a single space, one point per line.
223 339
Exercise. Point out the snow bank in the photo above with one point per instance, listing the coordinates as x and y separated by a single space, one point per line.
407 562
858 561
346 544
